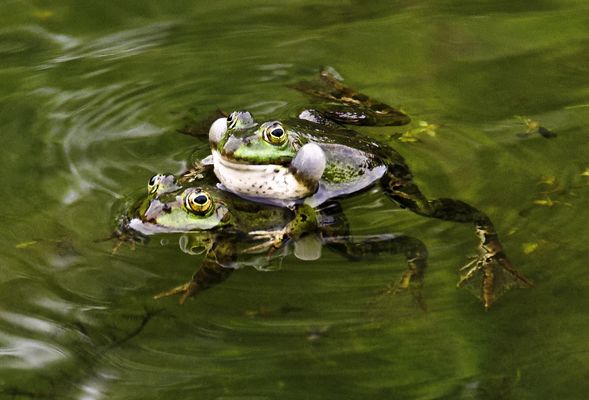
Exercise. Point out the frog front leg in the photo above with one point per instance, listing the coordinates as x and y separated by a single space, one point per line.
304 222
124 234
491 266
213 270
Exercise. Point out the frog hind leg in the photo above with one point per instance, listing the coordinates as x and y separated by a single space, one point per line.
199 127
212 271
357 248
491 268
375 114
335 230
346 105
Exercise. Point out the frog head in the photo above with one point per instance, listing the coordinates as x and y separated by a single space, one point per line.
267 160
194 209
239 138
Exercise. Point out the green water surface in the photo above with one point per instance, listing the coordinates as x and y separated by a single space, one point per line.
91 96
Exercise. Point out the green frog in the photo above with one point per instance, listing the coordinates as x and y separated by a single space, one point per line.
231 232
315 157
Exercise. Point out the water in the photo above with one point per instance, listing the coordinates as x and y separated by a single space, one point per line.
91 96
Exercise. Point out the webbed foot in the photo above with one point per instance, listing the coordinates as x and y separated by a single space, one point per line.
496 275
303 223
272 240
496 272
410 284
412 280
210 273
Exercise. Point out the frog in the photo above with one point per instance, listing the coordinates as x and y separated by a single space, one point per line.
316 157
159 184
226 228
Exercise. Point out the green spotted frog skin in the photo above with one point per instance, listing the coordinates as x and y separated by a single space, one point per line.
287 162
173 207
228 229
315 157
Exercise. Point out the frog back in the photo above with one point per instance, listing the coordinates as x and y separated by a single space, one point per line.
353 161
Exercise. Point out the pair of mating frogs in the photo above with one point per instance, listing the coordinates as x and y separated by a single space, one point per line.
278 181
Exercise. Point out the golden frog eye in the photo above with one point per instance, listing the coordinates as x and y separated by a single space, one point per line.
240 120
198 201
154 183
275 134
161 183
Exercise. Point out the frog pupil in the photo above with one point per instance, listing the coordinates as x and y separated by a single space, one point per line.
278 132
152 180
200 199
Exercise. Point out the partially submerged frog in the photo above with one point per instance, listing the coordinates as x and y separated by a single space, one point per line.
313 158
227 227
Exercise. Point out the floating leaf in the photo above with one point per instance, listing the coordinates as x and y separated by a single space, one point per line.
529 248
548 180
24 245
547 203
424 127
43 15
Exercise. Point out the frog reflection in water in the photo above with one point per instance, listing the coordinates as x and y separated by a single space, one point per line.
313 158
224 226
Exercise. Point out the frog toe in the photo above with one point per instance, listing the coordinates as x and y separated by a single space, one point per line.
490 276
187 290
271 240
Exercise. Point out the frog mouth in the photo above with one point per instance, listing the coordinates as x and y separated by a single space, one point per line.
227 161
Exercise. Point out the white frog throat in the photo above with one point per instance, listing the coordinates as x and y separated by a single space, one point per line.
263 181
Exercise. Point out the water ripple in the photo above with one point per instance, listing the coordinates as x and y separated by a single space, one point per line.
31 323
91 119
21 353
119 45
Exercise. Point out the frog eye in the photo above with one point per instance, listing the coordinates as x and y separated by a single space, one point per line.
154 183
198 201
232 120
240 120
161 183
275 134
